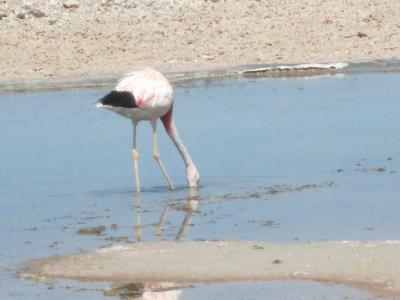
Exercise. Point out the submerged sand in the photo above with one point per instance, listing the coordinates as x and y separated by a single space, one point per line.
374 265
85 39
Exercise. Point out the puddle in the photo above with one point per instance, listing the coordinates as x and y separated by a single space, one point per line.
298 290
269 152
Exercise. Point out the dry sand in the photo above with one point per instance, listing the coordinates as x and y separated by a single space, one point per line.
372 265
45 40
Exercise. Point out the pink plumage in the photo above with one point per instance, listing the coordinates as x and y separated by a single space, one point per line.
146 95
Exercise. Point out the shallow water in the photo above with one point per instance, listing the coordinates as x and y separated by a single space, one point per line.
246 290
281 160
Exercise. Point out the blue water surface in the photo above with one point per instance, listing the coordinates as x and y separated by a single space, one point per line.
329 145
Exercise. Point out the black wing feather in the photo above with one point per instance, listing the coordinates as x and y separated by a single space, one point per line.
119 99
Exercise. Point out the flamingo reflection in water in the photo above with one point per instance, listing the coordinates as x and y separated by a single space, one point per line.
190 207
159 290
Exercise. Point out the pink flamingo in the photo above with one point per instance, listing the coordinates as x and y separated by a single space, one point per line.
146 95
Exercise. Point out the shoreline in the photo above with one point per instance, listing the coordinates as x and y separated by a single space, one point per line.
177 77
56 41
362 264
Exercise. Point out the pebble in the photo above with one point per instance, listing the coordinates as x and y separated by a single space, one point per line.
36 13
21 15
3 14
70 4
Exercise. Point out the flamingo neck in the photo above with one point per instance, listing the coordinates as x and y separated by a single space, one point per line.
191 170
169 125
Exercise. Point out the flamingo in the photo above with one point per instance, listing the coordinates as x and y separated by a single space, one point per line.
146 95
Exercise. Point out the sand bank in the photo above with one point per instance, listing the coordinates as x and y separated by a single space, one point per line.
59 40
372 265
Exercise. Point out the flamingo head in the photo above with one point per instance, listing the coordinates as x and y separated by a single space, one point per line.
192 175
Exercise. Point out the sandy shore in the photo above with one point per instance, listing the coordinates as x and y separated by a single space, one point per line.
49 40
372 265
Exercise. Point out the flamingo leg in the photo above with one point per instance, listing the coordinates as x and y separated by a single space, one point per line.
135 157
138 227
156 155
160 224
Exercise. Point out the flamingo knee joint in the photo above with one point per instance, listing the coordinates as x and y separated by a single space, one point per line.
135 154
156 156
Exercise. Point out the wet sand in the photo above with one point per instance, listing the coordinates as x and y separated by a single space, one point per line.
373 265
60 40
